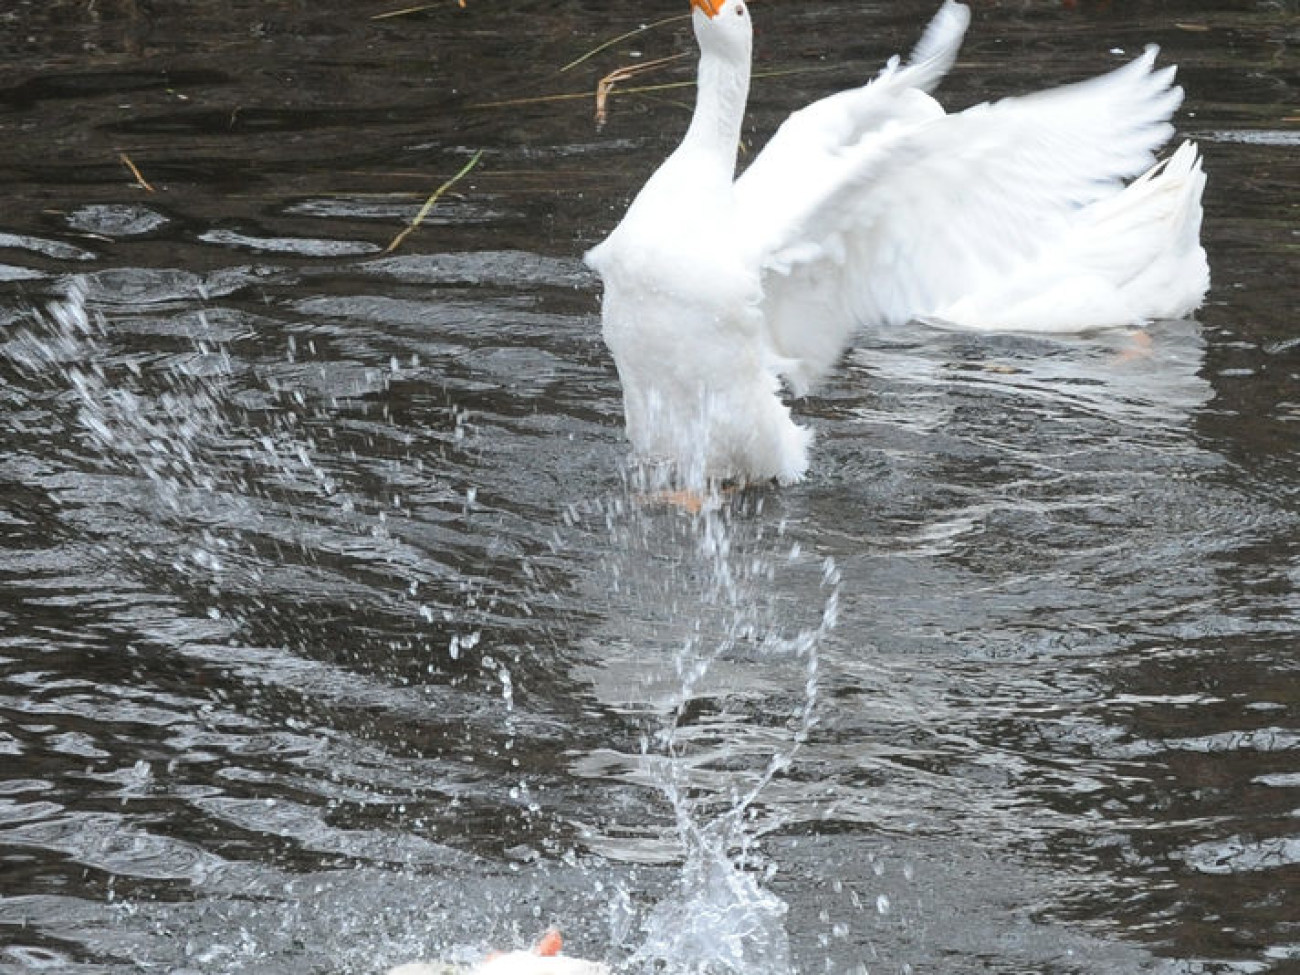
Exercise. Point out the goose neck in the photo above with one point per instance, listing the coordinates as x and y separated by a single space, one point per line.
721 92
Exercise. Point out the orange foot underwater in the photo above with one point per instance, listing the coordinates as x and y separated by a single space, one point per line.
691 501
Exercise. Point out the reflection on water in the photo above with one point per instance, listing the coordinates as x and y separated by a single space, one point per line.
335 634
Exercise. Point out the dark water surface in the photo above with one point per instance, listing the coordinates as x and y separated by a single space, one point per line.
331 635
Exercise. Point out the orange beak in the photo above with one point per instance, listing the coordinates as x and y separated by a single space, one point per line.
709 8
550 945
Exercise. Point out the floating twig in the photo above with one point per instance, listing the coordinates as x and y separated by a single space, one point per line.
568 96
607 83
622 37
139 177
572 96
420 8
428 204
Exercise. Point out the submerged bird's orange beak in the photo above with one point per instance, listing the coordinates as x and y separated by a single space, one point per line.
550 945
709 8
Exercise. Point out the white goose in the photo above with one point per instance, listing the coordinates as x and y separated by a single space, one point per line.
544 958
873 206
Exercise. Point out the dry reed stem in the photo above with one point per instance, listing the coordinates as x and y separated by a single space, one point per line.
622 37
420 8
571 96
429 203
139 177
607 83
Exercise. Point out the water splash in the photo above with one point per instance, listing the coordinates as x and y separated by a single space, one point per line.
163 433
718 572
183 424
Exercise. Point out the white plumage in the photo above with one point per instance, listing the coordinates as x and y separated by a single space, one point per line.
874 206
510 963
545 958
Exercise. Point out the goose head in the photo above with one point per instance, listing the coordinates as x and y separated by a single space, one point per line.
723 27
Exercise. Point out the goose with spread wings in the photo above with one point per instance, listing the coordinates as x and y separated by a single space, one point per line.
873 206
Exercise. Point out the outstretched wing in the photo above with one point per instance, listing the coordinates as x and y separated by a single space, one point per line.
923 210
789 177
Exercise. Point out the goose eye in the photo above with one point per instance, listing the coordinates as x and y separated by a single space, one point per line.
740 10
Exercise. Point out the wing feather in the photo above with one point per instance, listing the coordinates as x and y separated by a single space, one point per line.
928 206
805 155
